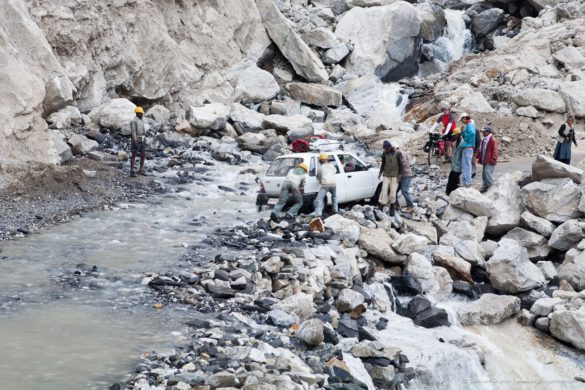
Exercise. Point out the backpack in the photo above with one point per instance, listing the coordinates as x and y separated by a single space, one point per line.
301 145
477 140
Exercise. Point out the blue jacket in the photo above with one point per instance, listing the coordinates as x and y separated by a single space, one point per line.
469 135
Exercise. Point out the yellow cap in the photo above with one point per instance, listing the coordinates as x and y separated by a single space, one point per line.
456 131
323 157
139 110
304 166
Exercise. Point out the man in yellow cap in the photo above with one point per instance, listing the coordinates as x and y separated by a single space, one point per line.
138 145
292 187
327 179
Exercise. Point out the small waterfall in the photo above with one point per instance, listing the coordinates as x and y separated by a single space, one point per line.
456 40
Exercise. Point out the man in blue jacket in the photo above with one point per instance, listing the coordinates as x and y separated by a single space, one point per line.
468 132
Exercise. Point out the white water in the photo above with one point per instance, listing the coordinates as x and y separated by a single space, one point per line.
456 41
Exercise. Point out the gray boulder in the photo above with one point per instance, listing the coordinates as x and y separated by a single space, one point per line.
458 268
336 54
347 300
300 304
545 167
472 201
511 271
249 120
117 114
539 225
556 200
419 267
304 61
573 271
211 116
385 40
571 57
315 94
287 125
81 145
409 243
433 21
62 149
254 85
159 113
487 21
573 92
320 37
490 309
311 332
544 99
569 326
536 244
346 230
544 306
566 236
505 194
378 243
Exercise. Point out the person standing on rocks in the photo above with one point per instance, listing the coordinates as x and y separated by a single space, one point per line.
293 186
468 132
564 141
327 179
449 123
487 156
405 180
455 174
390 175
138 145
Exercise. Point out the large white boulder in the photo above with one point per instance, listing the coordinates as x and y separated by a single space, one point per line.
458 268
212 116
472 201
571 57
475 102
346 230
573 92
566 236
81 145
489 309
545 99
304 61
65 118
117 114
60 147
554 199
540 225
511 271
545 167
569 326
254 85
385 40
505 194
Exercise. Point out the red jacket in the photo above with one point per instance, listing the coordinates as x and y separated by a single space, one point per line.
491 152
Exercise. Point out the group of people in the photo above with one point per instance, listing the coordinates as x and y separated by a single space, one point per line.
464 147
395 173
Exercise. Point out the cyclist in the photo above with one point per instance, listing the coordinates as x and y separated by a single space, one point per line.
448 121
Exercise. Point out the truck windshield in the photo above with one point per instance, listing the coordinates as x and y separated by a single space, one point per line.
281 166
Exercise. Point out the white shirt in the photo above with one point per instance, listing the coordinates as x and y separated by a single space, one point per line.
327 175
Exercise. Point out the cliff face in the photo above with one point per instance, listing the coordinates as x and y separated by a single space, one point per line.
85 51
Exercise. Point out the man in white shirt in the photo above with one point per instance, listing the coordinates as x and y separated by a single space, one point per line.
327 179
292 187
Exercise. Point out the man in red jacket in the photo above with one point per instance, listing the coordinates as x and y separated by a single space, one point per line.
487 155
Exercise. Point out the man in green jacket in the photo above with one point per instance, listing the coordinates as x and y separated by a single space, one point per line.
390 175
455 174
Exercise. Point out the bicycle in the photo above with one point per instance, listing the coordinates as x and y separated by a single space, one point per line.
433 147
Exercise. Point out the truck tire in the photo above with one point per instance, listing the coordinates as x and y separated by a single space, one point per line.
374 200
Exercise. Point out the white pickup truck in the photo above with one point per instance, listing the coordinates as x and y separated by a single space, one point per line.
356 180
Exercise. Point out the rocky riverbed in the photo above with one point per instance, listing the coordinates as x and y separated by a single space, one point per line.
359 300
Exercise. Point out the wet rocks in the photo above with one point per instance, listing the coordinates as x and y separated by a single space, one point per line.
458 268
421 269
490 309
510 269
569 326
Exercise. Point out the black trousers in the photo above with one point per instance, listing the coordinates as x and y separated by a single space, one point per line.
453 182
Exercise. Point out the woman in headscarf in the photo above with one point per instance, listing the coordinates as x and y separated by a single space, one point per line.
564 141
